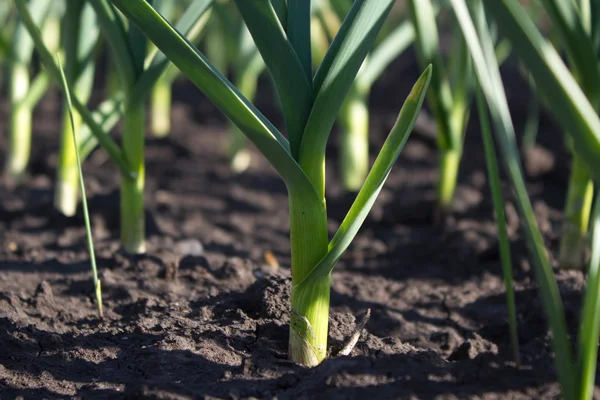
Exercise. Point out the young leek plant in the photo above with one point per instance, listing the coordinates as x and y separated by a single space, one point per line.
140 74
353 120
574 28
86 215
80 36
24 93
574 111
310 105
449 98
129 52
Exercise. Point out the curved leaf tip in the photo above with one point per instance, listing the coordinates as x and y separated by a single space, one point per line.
421 84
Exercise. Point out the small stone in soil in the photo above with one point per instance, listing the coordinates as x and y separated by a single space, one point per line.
190 247
473 347
43 299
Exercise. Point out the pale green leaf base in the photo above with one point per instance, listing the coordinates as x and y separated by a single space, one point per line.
66 197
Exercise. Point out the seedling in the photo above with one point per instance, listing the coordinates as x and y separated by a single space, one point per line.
310 105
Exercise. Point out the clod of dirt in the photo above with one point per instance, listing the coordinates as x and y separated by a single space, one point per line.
270 297
473 347
234 269
107 277
140 307
43 300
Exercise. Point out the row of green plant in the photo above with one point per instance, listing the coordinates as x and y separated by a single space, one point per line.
228 44
573 108
323 58
231 48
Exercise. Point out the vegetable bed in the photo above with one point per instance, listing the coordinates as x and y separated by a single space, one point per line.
205 313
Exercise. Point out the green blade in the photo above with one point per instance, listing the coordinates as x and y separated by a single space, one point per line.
187 24
461 75
570 105
105 140
488 75
248 55
503 242
589 330
70 39
373 184
138 48
362 8
288 72
567 22
88 40
107 115
113 29
86 215
167 9
194 35
595 25
280 8
532 123
80 37
334 78
298 33
5 48
37 90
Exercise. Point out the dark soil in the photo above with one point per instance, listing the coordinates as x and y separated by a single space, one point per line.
204 314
